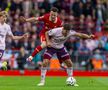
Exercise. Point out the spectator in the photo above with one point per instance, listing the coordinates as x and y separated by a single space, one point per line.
57 4
99 12
16 4
76 8
81 24
46 5
106 45
27 6
21 60
102 51
88 8
106 10
97 61
65 5
105 26
90 24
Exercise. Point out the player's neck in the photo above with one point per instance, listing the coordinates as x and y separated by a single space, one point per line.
52 20
2 23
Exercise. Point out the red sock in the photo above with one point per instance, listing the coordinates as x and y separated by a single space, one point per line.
37 49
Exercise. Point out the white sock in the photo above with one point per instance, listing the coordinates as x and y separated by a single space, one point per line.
70 71
43 73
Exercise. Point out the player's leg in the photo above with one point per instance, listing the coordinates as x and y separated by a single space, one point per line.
67 60
47 56
62 64
65 57
43 72
3 65
38 48
70 69
69 65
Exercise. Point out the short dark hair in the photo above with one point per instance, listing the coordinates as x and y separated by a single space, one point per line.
54 9
67 26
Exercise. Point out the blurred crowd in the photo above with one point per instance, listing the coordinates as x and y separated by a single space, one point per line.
86 16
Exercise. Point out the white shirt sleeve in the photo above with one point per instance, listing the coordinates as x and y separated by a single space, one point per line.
72 32
52 32
9 32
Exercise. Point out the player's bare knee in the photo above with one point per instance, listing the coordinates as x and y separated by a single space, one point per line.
68 63
45 63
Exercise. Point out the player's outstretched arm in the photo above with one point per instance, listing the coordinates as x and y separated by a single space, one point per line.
81 35
32 19
26 35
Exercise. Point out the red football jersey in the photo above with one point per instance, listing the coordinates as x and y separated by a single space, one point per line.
49 24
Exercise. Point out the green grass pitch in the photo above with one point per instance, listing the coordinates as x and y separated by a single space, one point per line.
52 83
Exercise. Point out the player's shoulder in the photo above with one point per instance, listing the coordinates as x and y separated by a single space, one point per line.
59 20
47 15
6 25
73 32
57 29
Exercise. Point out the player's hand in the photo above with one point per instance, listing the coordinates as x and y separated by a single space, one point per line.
29 58
91 36
22 19
48 44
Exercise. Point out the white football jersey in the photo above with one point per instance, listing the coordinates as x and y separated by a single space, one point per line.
58 39
4 30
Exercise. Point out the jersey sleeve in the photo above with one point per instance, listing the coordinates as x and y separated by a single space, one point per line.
72 32
41 18
9 32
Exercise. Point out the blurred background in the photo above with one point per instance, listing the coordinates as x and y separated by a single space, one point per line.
86 16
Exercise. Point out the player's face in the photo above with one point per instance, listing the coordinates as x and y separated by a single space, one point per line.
65 32
53 16
3 18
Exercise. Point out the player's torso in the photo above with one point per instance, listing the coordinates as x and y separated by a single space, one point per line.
3 32
48 25
59 39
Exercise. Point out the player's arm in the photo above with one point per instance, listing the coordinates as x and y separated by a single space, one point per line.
10 34
49 34
81 35
19 37
32 19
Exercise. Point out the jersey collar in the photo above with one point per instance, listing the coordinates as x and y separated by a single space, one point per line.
51 21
